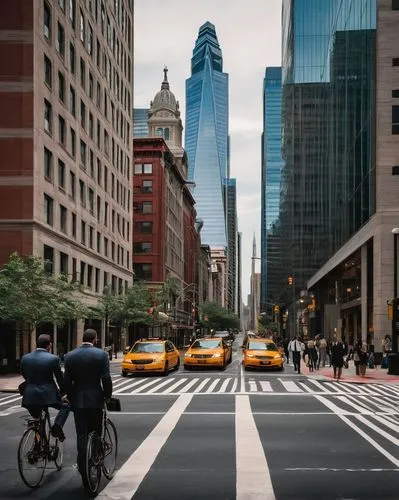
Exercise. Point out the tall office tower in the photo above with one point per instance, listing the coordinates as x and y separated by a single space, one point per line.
232 246
140 125
206 138
66 142
340 202
239 277
254 301
270 195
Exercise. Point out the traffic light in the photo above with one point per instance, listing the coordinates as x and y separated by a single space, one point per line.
290 280
276 309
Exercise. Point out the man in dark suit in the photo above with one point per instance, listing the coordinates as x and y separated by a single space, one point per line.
39 368
87 383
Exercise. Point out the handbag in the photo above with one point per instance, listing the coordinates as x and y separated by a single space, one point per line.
22 387
113 404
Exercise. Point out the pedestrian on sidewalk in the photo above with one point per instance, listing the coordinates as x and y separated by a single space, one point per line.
356 356
337 357
322 353
312 355
386 350
364 357
296 347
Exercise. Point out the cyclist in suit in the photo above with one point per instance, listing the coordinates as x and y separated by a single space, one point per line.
87 383
40 369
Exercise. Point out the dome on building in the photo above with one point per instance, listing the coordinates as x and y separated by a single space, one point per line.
165 99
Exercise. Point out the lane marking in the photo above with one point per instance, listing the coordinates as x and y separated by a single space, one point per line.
266 386
159 386
121 383
290 386
189 385
252 386
12 410
235 384
378 430
387 423
129 477
15 398
333 387
133 384
242 379
148 384
212 386
253 480
10 396
224 385
361 433
202 384
172 387
318 385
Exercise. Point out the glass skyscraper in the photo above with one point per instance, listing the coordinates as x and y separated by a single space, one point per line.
270 196
140 122
206 135
328 136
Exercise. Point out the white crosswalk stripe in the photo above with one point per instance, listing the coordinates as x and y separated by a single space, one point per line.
291 386
266 386
148 384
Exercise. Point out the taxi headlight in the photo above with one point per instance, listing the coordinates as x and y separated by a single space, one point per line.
249 355
188 355
217 355
277 356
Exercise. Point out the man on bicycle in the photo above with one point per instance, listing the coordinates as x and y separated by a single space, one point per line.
87 383
39 368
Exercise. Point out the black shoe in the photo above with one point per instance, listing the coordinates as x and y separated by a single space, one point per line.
57 432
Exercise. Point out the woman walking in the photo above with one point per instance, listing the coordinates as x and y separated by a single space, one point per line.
312 355
364 356
337 357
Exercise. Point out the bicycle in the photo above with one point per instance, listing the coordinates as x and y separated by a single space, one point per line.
100 449
37 447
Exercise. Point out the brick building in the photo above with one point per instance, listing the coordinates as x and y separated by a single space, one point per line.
66 93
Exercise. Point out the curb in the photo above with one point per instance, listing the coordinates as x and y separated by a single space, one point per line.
9 390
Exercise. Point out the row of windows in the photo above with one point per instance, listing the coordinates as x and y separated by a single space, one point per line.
68 224
142 271
119 122
86 274
118 192
143 168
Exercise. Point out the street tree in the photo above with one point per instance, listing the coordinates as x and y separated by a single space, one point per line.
217 317
30 295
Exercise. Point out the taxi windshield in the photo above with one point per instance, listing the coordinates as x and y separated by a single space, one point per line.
261 346
206 344
148 347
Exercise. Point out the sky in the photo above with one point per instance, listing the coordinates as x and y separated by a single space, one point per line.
249 32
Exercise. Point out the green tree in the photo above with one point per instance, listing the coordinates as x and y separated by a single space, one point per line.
30 296
217 317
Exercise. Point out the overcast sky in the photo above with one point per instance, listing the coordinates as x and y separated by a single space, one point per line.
249 32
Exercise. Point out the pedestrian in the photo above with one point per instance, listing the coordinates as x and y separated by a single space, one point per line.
312 355
296 347
337 357
386 350
87 383
322 353
356 356
364 357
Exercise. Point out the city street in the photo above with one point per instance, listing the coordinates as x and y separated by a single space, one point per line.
232 435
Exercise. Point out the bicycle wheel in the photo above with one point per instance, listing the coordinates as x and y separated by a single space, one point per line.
32 458
56 451
110 449
92 474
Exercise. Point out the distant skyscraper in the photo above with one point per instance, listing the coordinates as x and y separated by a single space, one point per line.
232 250
207 134
271 168
140 125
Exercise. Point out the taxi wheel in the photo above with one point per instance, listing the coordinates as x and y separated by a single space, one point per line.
223 367
166 369
177 364
124 374
231 358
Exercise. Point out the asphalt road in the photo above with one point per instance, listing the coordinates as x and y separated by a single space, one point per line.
255 435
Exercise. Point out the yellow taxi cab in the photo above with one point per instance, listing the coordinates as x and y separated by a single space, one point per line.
151 355
262 353
208 352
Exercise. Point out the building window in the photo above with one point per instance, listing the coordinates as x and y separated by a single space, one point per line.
72 59
91 201
73 224
82 73
82 272
63 219
395 93
61 175
98 242
48 117
98 96
140 168
60 42
143 227
91 126
91 85
72 185
83 114
143 271
97 281
91 163
395 61
64 263
395 120
147 187
61 130
89 276
61 87
83 153
73 142
105 247
83 233
82 27
48 71
90 40
147 207
48 210
48 257
47 21
72 12
61 3
72 101
82 193
395 4
91 237
142 247
48 164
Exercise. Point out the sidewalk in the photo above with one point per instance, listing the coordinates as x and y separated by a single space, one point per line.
373 375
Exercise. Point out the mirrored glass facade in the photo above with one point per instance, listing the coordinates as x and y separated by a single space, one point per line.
206 134
140 122
271 170
328 136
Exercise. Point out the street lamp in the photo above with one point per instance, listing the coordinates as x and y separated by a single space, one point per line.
395 232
